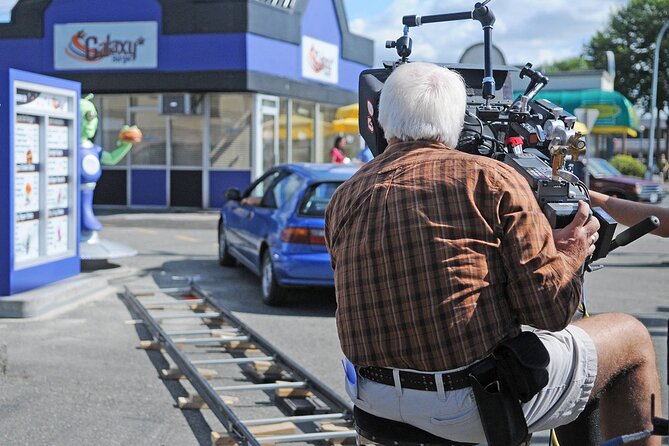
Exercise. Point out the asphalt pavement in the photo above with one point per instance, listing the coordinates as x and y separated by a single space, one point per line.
77 377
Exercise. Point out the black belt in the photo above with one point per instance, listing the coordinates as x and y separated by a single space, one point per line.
415 380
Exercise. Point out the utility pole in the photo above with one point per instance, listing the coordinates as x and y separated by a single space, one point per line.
653 101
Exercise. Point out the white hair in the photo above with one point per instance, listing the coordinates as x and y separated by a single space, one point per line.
423 101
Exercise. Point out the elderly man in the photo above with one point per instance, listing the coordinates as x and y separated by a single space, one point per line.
439 256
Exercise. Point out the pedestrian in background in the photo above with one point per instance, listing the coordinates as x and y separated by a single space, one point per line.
337 154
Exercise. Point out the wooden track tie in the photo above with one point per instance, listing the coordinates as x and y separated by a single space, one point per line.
264 430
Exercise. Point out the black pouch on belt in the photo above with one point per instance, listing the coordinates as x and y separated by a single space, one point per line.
501 415
521 365
515 372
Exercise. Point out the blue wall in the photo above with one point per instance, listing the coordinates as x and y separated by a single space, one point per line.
148 187
187 52
220 180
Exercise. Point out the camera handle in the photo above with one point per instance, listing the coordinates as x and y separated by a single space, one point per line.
481 13
634 232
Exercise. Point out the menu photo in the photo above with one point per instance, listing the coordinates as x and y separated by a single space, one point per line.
56 234
26 240
57 196
26 192
26 140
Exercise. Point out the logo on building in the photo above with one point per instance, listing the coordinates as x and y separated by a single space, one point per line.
320 60
105 45
91 48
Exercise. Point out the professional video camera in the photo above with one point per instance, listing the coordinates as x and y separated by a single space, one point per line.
534 136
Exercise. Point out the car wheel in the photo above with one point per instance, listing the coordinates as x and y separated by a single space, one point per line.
272 292
224 257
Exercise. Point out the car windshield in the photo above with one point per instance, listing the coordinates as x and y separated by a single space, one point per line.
602 168
317 199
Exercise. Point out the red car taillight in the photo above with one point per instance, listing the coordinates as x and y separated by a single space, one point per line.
303 235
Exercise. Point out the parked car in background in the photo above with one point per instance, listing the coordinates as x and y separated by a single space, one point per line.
608 180
276 227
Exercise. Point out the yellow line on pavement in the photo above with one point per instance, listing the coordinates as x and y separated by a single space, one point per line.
186 238
146 231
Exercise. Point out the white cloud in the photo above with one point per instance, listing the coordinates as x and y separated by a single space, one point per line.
525 30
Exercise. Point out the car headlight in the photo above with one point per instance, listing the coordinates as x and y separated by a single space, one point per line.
638 188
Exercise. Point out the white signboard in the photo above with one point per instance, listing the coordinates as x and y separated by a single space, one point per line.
105 45
45 150
320 60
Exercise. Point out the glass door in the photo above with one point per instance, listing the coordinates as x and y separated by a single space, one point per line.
266 138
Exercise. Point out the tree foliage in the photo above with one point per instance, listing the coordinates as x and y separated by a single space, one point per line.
631 34
575 63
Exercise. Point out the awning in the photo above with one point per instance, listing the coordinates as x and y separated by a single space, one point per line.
347 111
616 114
346 119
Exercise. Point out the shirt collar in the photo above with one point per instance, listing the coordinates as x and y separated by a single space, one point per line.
406 146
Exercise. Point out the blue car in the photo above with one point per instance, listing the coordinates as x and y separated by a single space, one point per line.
275 228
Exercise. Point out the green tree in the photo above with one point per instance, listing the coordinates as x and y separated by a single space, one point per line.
631 34
575 63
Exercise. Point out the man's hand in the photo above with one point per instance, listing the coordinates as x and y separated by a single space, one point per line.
577 240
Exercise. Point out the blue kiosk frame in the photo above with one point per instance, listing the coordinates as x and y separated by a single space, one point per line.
39 180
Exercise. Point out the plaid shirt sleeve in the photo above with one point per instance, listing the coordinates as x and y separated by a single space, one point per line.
543 286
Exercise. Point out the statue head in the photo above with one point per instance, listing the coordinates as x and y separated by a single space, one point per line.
89 117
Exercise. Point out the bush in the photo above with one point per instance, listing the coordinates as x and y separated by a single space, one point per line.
627 165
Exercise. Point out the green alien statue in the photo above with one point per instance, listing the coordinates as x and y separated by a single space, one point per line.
91 156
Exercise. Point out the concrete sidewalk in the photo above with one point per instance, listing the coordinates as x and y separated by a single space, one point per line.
76 377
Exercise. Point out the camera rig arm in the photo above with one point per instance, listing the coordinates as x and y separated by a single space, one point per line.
481 13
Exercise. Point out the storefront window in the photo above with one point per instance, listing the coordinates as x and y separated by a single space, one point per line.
186 134
145 100
303 131
327 134
230 130
152 149
112 112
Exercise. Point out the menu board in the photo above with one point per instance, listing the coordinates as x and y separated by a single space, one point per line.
26 187
42 101
57 144
44 176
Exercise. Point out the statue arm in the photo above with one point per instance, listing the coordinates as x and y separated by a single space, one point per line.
113 157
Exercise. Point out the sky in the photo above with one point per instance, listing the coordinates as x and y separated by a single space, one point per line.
5 7
525 30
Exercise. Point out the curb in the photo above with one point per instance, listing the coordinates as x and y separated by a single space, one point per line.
39 301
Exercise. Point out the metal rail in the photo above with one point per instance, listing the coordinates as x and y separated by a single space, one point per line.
237 331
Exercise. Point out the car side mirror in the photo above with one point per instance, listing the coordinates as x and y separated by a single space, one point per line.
232 194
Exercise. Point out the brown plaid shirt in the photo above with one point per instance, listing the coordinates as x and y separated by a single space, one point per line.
438 255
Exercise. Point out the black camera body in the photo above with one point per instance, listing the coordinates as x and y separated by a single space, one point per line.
371 83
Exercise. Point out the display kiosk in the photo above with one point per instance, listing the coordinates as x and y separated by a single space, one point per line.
39 181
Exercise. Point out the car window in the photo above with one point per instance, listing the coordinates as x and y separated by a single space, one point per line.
317 199
600 167
285 188
255 194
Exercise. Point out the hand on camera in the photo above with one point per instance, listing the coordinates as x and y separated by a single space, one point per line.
577 240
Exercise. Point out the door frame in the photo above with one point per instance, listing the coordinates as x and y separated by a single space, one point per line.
263 105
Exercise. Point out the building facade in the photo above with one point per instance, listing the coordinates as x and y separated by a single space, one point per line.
221 89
